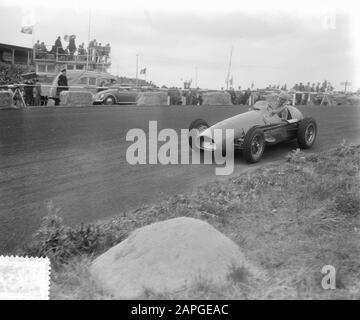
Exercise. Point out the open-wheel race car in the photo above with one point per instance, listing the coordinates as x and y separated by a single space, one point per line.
256 128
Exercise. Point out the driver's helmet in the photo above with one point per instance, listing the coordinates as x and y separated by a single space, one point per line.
284 97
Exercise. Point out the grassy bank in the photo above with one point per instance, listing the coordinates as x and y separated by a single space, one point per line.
289 218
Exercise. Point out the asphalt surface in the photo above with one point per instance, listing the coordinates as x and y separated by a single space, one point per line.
76 158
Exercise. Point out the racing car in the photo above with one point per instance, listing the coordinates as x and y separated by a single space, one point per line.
255 129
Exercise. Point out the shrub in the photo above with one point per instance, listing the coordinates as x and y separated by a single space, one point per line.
238 274
60 243
296 156
347 204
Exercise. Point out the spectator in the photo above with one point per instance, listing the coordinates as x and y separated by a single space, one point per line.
28 91
37 93
58 48
72 45
62 85
200 99
81 49
324 86
37 45
37 49
246 96
43 47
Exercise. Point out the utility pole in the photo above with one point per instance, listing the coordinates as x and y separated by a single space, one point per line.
196 77
346 84
228 74
137 65
88 51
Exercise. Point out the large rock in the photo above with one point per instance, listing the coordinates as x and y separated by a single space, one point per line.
75 98
167 256
6 99
157 98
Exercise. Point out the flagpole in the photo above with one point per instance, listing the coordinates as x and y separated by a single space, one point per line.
228 75
88 51
137 64
196 77
32 42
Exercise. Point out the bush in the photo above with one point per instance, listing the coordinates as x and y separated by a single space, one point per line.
60 243
296 156
347 204
238 274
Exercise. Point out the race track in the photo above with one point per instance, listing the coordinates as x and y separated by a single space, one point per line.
76 158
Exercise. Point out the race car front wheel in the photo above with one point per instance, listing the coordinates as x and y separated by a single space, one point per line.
198 124
307 132
254 145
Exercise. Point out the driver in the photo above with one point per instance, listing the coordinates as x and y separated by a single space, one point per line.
279 106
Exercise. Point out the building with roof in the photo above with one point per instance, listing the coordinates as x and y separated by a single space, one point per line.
13 54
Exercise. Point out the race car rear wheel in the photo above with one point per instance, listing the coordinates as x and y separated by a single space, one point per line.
307 132
254 145
198 124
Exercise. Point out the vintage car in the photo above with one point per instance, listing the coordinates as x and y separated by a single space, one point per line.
116 95
78 80
256 128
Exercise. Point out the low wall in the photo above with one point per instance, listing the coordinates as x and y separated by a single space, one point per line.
216 99
75 98
6 99
152 99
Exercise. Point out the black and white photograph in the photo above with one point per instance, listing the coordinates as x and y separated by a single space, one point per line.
179 150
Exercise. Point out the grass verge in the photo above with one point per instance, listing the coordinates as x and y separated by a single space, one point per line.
290 218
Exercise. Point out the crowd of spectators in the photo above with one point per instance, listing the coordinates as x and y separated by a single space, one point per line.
325 86
95 51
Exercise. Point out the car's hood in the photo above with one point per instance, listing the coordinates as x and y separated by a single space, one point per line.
241 123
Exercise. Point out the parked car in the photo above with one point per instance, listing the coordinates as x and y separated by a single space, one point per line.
79 80
117 95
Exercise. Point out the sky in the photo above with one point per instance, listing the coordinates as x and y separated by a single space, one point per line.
272 42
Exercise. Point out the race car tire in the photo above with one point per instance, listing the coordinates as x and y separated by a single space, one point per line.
307 132
199 124
110 100
254 145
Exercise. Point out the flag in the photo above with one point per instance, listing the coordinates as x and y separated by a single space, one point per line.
27 29
143 71
28 22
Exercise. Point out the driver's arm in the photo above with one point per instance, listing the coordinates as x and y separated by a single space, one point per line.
278 110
